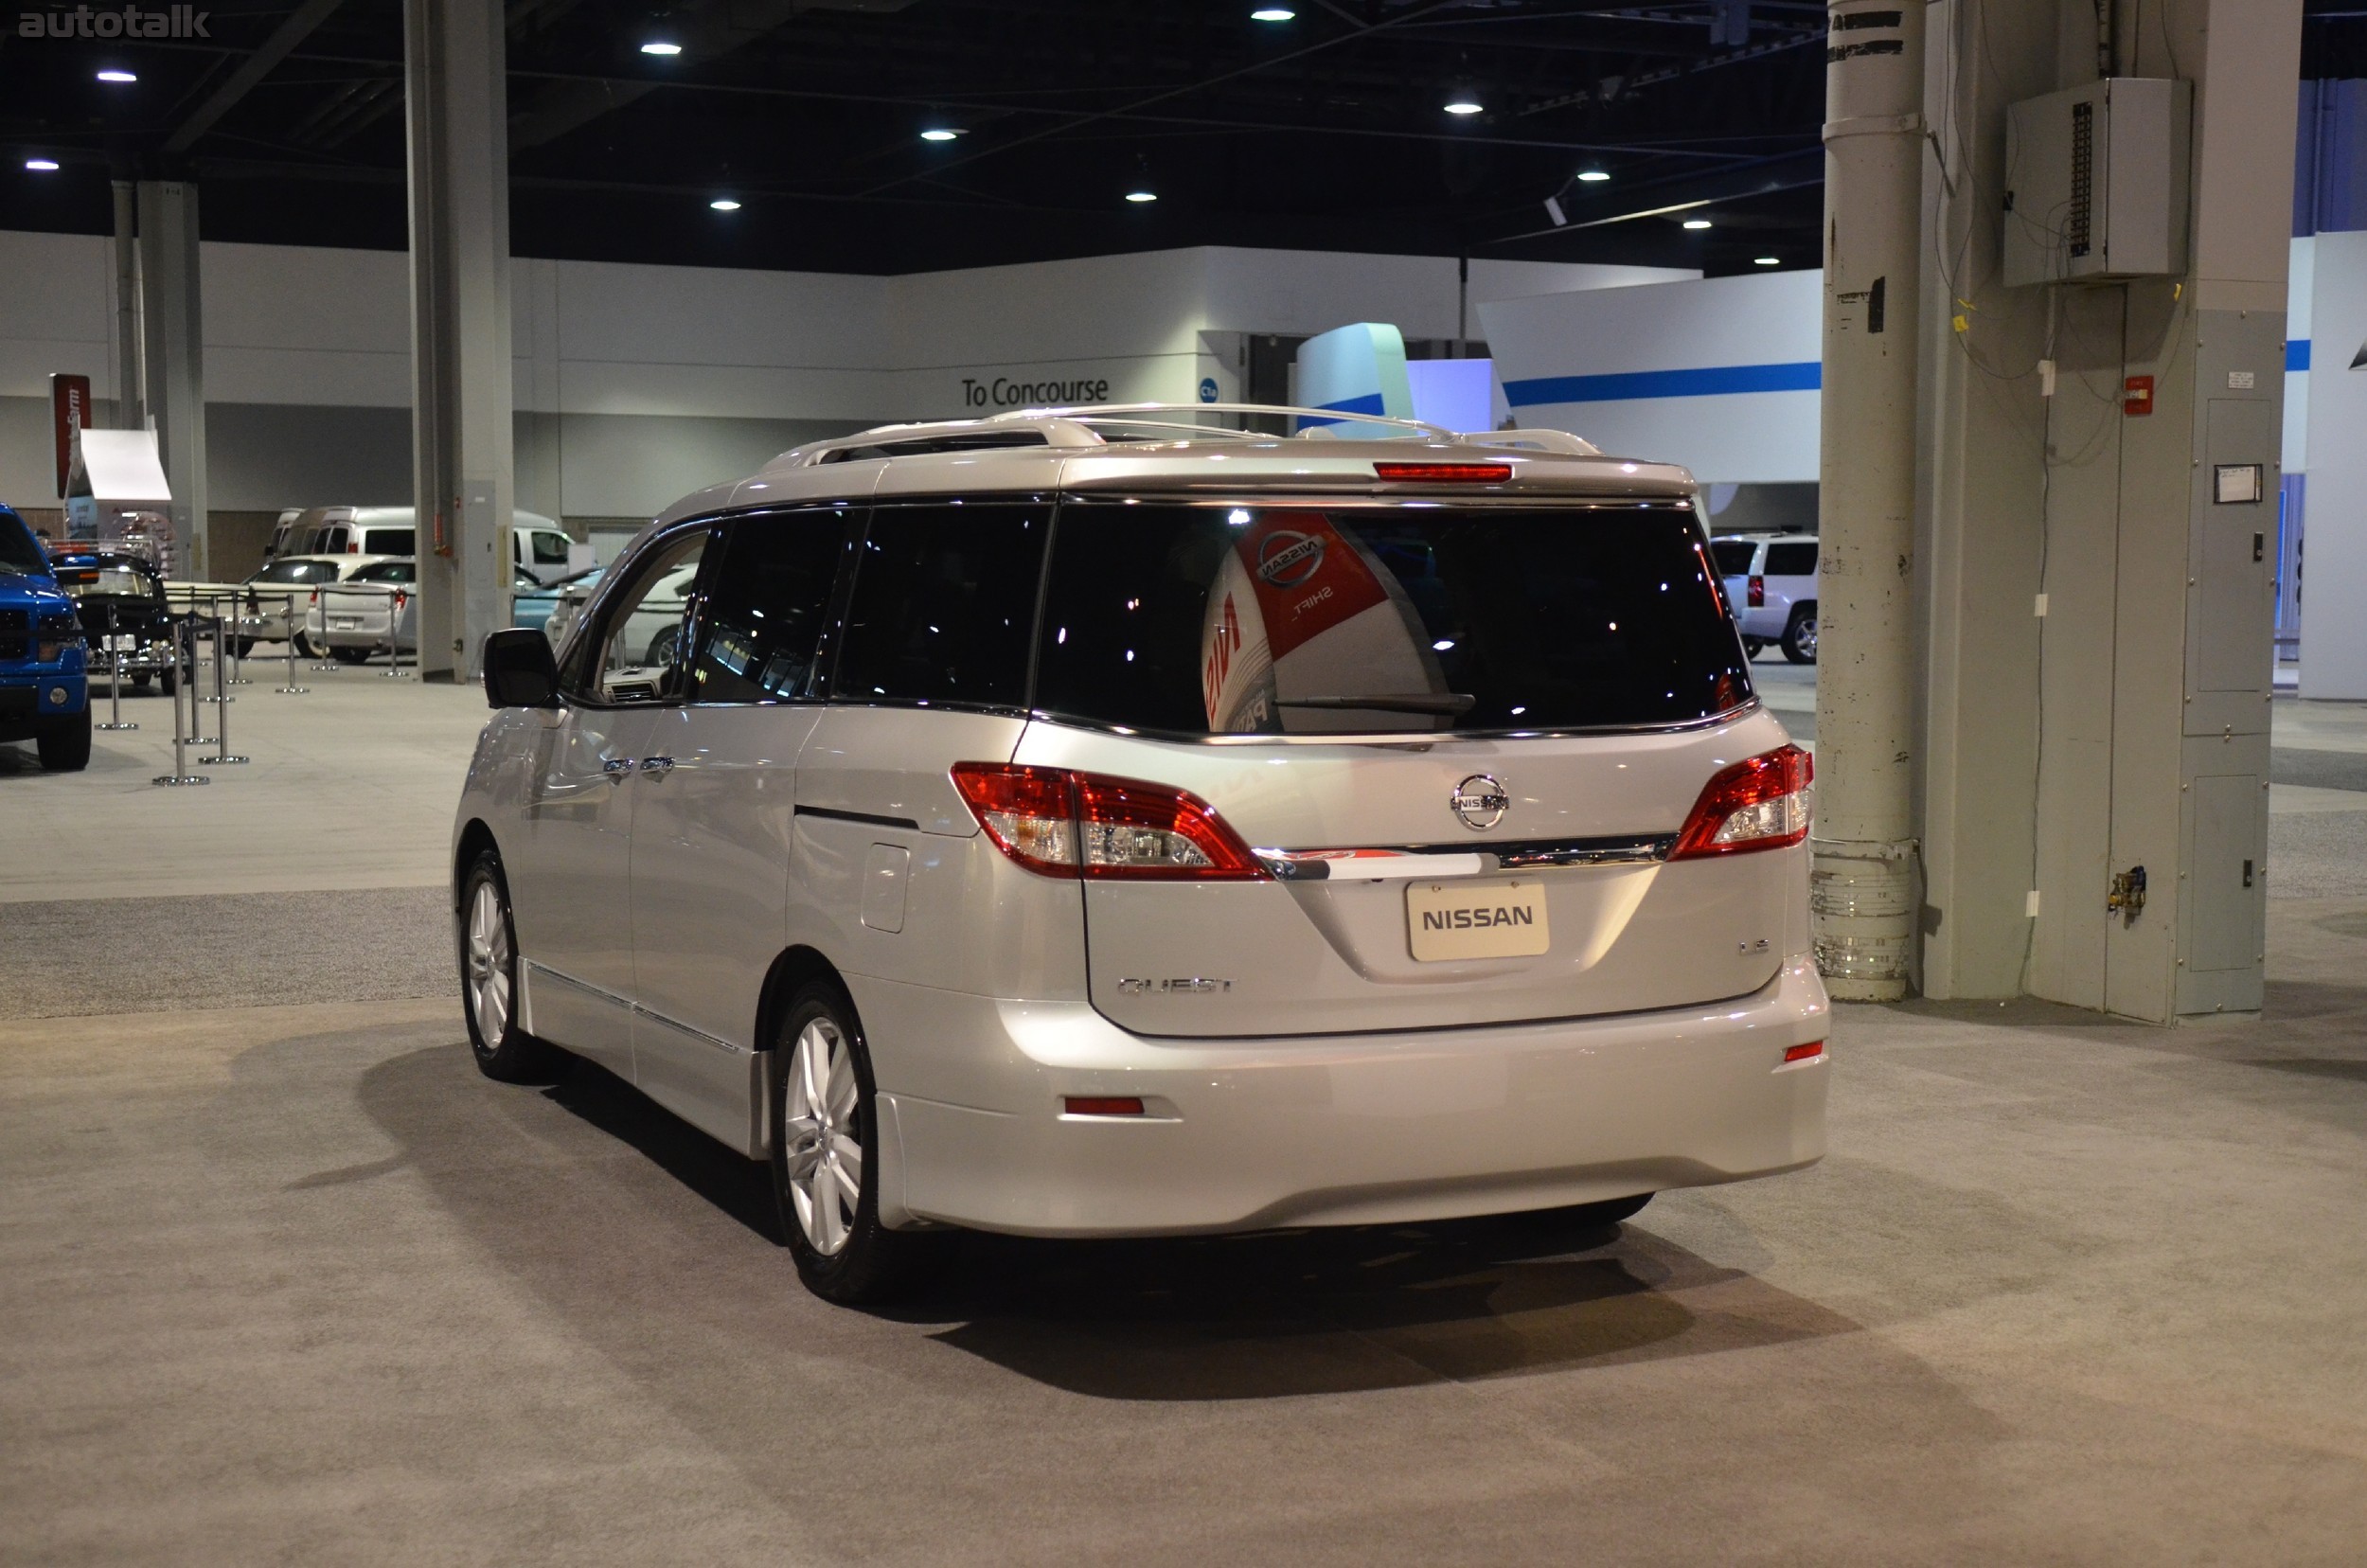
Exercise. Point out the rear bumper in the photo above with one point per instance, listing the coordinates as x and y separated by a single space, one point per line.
1347 1130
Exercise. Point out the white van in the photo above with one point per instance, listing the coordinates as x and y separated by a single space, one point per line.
538 547
1088 824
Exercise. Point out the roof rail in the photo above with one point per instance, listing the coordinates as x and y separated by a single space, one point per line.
1082 425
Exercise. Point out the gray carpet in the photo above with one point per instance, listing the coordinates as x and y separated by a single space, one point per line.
299 1285
2320 770
131 955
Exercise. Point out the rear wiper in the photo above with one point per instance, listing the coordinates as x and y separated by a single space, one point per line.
1411 701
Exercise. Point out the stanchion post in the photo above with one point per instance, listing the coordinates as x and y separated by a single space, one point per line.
180 773
222 715
291 689
327 661
195 698
237 618
213 614
395 598
114 686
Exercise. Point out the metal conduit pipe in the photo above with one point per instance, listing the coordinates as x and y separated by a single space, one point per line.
1861 874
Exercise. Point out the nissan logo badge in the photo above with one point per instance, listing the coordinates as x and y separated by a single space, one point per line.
1480 801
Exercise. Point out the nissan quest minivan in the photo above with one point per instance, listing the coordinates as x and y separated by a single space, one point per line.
1086 824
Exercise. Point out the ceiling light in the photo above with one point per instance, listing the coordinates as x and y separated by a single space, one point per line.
1593 176
724 203
117 76
1697 222
1767 261
1272 14
1142 195
1462 106
659 46
42 166
939 134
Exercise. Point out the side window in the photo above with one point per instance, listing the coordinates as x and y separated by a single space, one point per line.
760 623
393 542
641 627
944 602
1794 560
550 549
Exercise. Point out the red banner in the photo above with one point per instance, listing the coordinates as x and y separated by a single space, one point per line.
69 412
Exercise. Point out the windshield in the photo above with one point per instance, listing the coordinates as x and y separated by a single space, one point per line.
1733 556
109 580
19 552
1289 619
297 571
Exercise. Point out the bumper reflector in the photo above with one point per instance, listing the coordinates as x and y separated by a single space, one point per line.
1101 1105
1804 1053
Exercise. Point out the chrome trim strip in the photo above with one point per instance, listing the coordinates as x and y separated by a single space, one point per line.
584 986
1405 739
1421 862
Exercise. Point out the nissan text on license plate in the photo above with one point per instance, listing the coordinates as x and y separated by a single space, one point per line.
1476 919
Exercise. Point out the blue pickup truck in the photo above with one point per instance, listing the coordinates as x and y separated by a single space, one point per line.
43 696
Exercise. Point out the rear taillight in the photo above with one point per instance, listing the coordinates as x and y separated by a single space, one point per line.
1758 804
1757 593
1063 822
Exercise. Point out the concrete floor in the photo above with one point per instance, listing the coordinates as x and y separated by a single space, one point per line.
293 1283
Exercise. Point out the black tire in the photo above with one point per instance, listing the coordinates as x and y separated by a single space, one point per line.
350 656
247 646
64 743
869 1263
169 682
1754 647
304 646
509 1054
1799 634
139 682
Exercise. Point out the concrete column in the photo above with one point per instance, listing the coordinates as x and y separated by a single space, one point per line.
127 302
1862 876
457 117
172 331
2099 619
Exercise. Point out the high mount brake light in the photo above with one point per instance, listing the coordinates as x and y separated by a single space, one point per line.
1063 822
1761 803
1459 474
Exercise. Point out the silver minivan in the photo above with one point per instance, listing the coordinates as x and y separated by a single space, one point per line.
1091 823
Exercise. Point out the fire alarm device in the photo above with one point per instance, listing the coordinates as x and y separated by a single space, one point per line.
2137 395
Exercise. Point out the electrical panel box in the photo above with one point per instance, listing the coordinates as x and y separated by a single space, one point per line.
2096 182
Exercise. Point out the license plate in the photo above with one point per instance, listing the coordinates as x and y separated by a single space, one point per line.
345 623
1476 919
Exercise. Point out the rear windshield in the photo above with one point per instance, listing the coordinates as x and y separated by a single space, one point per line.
1286 619
296 571
1733 556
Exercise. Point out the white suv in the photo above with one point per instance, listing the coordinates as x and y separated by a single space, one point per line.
1086 824
1771 582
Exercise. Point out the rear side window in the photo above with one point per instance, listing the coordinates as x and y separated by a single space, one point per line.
393 541
1288 619
1794 560
1733 556
766 602
550 549
944 598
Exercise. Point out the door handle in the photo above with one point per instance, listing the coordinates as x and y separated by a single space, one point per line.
617 768
658 765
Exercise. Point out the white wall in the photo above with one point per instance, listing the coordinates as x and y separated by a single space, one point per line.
1705 332
725 361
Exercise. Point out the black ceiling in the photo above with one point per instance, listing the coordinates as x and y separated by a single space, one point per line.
1327 130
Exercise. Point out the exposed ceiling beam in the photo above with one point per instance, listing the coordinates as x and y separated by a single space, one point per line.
254 68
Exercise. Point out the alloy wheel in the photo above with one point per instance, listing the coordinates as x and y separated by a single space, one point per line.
825 1156
489 965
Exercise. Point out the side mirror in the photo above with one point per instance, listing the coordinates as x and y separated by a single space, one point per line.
520 670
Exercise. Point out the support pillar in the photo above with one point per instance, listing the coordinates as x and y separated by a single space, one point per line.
1863 871
172 331
2099 608
127 303
463 481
